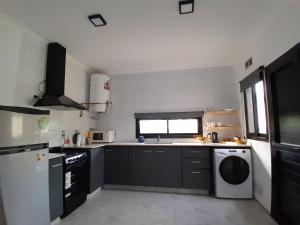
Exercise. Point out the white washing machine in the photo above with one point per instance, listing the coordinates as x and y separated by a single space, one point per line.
233 173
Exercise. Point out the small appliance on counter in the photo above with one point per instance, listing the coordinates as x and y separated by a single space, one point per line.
213 136
77 138
99 136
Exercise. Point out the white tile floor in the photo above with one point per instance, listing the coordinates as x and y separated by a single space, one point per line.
113 207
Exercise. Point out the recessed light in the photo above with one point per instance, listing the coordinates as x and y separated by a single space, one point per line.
97 20
186 6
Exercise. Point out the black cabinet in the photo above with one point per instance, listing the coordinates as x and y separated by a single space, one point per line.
167 167
56 187
196 169
116 165
96 169
141 166
158 166
155 166
196 178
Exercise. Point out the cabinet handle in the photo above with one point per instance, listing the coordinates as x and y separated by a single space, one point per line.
148 151
196 172
160 151
195 162
195 151
108 150
57 165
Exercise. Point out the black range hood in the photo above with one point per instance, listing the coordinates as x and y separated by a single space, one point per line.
54 96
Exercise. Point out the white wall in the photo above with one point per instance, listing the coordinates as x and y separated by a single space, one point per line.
171 91
279 34
22 67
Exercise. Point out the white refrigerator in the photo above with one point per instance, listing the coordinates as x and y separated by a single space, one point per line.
24 188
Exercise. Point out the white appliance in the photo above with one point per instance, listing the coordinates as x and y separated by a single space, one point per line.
99 92
103 136
24 185
233 173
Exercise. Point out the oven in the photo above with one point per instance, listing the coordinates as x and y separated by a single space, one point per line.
75 181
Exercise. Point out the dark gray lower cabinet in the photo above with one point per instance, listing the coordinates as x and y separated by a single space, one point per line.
171 167
155 166
96 157
167 167
141 166
56 187
196 178
196 168
116 165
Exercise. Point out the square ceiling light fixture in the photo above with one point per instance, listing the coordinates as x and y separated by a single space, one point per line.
186 6
97 20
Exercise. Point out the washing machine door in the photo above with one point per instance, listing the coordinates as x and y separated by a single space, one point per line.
234 170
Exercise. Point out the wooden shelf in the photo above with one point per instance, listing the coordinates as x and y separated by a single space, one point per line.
221 112
223 128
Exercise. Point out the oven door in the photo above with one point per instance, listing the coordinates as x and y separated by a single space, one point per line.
75 189
99 137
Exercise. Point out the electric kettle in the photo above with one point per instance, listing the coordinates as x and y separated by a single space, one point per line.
214 137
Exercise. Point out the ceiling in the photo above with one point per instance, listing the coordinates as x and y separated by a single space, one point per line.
145 35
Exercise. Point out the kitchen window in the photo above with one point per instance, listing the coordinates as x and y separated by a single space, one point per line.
253 93
169 125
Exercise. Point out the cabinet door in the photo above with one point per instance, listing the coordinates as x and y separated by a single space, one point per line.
196 178
56 187
167 167
116 168
96 169
283 97
141 166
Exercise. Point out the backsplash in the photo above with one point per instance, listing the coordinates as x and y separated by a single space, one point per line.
67 121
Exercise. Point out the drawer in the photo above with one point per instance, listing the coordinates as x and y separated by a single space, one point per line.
56 162
201 152
201 163
196 178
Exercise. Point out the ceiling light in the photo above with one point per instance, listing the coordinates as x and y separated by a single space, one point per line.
97 20
186 6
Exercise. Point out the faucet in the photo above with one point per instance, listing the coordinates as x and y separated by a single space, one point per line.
158 138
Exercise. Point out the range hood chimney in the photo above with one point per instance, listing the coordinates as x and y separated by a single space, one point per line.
54 96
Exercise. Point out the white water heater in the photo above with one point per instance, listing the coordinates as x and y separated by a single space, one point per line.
99 92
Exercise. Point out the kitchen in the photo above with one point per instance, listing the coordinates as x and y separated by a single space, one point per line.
166 70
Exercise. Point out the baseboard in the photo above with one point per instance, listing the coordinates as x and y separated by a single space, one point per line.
89 196
56 221
157 189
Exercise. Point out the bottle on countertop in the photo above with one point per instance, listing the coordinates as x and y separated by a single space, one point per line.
78 141
75 136
63 137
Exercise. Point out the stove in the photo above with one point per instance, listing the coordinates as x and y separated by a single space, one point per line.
73 157
75 179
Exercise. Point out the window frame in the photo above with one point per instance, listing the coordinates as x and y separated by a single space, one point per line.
169 116
250 82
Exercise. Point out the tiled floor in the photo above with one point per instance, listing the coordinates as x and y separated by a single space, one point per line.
113 207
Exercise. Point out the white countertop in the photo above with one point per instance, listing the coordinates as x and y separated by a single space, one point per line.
55 155
85 146
159 144
181 144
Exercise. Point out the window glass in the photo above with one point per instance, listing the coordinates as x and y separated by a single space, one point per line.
250 113
261 108
153 126
183 126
